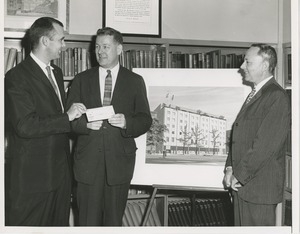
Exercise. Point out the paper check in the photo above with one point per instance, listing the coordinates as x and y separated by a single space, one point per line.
99 113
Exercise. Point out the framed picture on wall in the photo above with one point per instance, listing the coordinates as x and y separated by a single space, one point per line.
20 14
133 18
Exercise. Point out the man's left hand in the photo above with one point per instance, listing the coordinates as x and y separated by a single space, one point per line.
118 120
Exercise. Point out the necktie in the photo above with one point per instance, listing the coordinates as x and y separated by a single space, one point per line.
53 84
51 81
251 95
107 89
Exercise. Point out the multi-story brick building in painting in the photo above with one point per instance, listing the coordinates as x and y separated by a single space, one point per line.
190 131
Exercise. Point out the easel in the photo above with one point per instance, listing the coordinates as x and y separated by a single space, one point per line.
182 188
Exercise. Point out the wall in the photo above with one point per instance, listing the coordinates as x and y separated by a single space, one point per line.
221 20
286 26
85 16
230 20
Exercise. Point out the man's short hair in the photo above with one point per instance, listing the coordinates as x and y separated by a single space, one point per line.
41 27
107 31
269 54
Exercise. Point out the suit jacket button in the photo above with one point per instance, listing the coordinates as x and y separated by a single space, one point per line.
236 124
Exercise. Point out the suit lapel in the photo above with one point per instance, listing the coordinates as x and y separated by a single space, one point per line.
256 97
118 86
38 74
94 87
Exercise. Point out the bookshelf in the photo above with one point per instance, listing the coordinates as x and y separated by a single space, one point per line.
160 50
136 208
287 84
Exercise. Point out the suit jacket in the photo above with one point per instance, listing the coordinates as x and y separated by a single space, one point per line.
258 148
38 144
118 145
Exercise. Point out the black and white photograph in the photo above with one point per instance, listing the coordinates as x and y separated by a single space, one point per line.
150 116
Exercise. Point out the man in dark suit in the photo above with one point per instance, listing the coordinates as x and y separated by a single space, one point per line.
105 150
38 144
255 167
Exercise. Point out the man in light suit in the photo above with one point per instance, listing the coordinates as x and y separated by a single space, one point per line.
255 167
105 149
38 144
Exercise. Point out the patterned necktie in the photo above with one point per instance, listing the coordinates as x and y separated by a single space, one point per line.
251 95
107 89
53 85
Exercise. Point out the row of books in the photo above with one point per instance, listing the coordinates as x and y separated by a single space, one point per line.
212 59
12 56
159 57
73 61
135 211
155 57
208 212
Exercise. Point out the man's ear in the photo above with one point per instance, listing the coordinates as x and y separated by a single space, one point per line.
266 66
119 49
44 40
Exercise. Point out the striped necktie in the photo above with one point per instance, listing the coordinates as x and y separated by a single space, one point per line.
251 95
107 89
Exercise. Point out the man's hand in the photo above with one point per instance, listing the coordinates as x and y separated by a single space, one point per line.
76 110
227 177
230 181
235 184
96 125
118 120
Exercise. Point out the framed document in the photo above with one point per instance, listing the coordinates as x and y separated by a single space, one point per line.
133 18
19 15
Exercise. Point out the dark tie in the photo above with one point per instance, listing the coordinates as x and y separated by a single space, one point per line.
107 89
251 95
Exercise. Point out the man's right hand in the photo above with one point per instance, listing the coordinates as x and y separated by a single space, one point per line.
76 110
96 125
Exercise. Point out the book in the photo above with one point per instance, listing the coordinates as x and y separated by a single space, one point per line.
6 53
11 60
83 59
134 217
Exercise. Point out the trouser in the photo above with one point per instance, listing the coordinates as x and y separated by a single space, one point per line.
41 209
251 214
101 204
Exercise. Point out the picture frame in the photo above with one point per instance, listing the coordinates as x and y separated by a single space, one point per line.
200 175
19 16
141 19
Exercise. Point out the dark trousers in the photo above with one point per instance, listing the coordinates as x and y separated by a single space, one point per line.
251 214
101 204
41 209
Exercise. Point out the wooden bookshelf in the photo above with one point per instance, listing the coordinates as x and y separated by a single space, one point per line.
141 45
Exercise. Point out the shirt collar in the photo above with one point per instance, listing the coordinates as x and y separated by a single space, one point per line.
113 70
39 62
262 83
